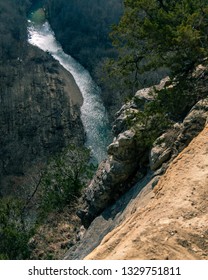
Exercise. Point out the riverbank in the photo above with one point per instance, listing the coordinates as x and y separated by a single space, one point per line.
71 88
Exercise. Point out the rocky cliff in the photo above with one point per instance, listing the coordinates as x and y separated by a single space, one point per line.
126 183
170 221
161 217
128 160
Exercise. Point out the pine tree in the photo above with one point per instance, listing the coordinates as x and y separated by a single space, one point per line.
155 33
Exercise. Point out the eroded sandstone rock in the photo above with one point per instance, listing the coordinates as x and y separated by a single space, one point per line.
129 109
114 176
110 179
172 142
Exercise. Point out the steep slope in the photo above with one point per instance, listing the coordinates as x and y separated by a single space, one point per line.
173 223
39 112
39 103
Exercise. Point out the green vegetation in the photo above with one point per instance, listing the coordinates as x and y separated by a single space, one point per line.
157 34
148 123
64 178
151 35
15 230
58 186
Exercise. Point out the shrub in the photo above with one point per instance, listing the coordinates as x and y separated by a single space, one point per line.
64 178
15 230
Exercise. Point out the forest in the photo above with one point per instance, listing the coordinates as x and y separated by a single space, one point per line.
82 27
13 28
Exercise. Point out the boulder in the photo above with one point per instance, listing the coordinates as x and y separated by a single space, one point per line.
122 148
172 142
129 109
158 155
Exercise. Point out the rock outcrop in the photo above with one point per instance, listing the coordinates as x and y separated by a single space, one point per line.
171 143
173 223
178 216
125 181
128 110
110 179
127 162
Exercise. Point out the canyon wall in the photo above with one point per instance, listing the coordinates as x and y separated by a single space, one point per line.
39 103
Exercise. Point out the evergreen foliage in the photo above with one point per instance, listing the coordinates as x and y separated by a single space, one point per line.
157 33
148 123
161 33
154 34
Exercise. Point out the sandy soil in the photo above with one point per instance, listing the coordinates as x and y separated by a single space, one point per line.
174 223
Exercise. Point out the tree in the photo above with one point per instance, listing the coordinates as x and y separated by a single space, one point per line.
82 27
160 33
15 230
153 34
64 178
59 186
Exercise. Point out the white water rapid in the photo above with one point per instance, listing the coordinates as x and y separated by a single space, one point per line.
93 113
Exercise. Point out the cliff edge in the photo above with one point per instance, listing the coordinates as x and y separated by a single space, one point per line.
172 222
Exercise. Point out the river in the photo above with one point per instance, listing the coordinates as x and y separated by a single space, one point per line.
93 113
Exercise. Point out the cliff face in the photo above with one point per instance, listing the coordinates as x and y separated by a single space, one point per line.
159 218
171 222
39 114
129 161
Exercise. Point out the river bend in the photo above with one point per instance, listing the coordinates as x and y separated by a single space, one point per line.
93 113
